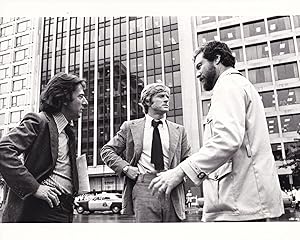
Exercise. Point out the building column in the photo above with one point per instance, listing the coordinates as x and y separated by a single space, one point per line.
190 86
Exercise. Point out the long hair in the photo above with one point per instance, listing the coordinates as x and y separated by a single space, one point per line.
213 48
58 91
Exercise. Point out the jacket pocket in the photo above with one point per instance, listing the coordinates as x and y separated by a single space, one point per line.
219 190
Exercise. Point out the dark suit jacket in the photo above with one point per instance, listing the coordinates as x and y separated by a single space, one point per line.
130 139
37 139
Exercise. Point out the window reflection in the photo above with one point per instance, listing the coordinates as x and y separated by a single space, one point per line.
257 51
288 96
290 123
260 75
230 33
279 24
285 71
238 54
204 37
254 29
205 19
268 99
272 125
282 47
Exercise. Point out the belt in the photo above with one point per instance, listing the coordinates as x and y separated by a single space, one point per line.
146 177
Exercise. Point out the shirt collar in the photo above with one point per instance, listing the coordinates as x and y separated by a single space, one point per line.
61 121
149 121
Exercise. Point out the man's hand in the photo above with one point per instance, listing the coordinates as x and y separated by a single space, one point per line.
48 194
165 182
132 172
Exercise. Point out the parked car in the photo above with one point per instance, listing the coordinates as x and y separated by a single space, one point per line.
287 199
99 202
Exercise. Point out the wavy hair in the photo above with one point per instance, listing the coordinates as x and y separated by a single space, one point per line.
58 91
213 48
149 91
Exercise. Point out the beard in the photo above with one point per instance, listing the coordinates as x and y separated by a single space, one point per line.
209 79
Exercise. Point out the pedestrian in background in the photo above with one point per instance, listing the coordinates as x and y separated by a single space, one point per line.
235 163
151 144
42 183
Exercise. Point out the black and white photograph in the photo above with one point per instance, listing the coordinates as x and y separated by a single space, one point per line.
174 120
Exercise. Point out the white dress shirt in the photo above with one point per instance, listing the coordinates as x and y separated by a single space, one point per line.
144 164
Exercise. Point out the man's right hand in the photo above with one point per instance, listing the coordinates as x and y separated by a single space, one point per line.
132 172
48 194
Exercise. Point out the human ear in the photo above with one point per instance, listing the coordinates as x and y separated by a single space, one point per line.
218 59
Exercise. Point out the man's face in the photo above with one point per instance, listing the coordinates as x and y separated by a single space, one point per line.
206 72
160 103
74 108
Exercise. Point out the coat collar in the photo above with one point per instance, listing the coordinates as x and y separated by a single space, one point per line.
53 137
137 128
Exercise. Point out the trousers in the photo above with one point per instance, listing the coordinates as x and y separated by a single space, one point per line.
38 211
150 208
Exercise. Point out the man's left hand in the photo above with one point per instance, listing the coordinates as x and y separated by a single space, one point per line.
165 182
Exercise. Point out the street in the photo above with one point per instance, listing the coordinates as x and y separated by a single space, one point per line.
193 215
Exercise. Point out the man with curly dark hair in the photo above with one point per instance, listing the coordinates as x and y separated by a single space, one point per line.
43 182
235 163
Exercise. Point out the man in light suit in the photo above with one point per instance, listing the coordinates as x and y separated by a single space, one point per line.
151 144
43 184
235 163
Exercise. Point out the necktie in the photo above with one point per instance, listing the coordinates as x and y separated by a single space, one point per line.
156 150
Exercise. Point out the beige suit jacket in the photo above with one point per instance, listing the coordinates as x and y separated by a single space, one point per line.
128 143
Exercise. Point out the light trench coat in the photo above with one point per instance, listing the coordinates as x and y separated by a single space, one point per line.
235 163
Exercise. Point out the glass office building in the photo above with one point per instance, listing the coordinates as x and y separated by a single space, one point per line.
116 56
267 53
119 55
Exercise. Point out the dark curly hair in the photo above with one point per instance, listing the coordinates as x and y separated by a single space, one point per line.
213 48
58 91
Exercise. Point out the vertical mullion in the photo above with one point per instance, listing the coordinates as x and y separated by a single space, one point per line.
95 154
127 69
111 72
53 47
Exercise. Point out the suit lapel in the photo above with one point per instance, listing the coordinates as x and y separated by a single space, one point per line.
174 134
53 138
137 129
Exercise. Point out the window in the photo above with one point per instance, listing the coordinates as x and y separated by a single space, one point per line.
2 118
20 69
267 99
23 26
290 123
3 73
231 33
205 106
238 54
4 59
22 40
224 17
205 19
296 21
4 45
282 47
16 116
207 36
254 29
3 88
257 51
1 133
18 100
21 55
19 84
2 103
288 96
285 71
276 150
6 31
279 24
272 125
260 75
